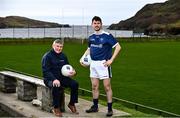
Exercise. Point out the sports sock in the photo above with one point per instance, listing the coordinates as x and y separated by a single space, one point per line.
109 106
95 101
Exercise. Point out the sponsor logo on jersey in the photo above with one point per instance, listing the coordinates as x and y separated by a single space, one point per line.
97 46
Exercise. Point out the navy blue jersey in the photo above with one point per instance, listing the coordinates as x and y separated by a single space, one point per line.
52 64
101 46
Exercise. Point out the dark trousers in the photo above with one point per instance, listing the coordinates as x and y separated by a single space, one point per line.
67 83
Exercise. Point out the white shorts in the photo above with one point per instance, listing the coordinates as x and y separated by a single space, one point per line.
98 70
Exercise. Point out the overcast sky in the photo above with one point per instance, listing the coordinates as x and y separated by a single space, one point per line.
74 11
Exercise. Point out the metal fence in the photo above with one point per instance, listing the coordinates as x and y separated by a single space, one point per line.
75 31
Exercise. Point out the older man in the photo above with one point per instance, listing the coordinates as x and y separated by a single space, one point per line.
52 63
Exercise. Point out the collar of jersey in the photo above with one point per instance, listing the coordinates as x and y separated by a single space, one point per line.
99 32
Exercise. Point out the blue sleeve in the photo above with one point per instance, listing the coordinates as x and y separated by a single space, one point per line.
111 40
46 69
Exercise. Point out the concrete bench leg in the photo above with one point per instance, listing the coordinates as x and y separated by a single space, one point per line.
26 91
47 99
7 84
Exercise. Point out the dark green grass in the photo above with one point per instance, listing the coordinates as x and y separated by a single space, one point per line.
146 73
149 74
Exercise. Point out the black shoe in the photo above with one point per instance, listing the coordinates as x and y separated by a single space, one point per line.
92 109
109 113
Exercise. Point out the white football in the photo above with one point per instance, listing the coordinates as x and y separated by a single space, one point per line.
86 60
67 70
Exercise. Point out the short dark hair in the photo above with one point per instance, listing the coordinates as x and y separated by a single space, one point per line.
96 18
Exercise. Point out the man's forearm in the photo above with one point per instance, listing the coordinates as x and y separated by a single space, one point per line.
116 52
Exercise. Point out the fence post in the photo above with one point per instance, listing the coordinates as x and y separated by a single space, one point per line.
28 30
13 32
44 32
87 31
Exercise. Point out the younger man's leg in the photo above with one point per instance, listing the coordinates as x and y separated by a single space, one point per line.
107 87
95 92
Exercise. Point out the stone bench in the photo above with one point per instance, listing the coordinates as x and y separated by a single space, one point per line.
27 88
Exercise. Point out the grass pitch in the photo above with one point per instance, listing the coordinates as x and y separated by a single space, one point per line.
145 73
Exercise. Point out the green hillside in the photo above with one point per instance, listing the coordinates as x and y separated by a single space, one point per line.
23 22
161 18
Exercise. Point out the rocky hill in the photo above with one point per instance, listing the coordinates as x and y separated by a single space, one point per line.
23 22
157 18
